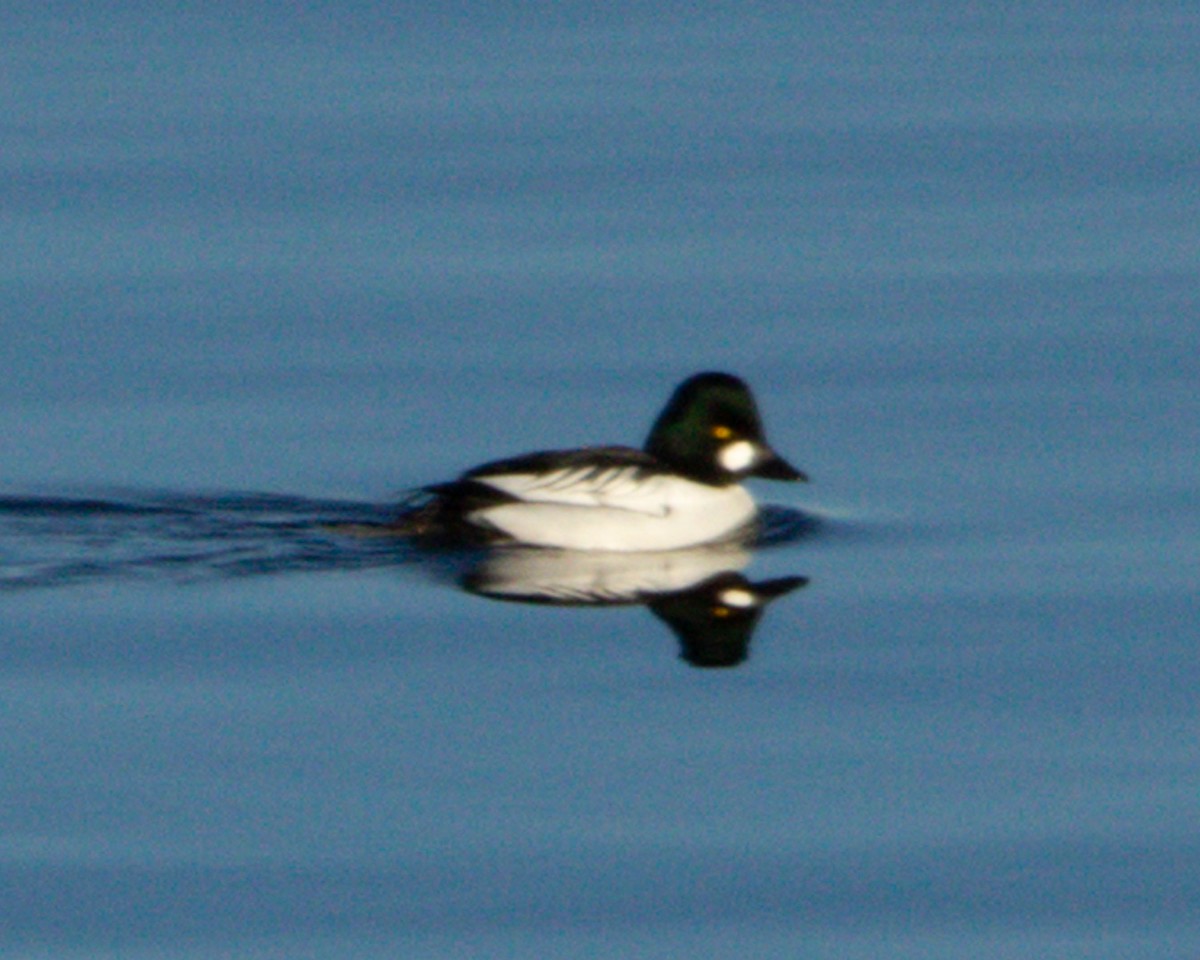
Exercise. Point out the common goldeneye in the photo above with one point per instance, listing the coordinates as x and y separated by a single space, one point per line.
682 490
700 593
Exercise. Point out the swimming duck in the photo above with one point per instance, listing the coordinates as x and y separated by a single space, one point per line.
682 489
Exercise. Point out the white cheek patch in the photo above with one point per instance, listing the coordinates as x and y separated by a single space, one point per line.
737 597
737 456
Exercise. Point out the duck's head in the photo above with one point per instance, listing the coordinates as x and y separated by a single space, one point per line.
710 430
715 620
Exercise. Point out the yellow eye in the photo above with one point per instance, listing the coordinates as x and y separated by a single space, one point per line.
721 613
722 432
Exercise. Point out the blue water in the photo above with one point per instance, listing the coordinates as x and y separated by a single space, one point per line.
265 270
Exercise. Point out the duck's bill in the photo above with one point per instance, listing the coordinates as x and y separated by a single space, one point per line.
770 589
774 467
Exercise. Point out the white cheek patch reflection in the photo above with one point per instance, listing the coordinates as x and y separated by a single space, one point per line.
737 597
737 456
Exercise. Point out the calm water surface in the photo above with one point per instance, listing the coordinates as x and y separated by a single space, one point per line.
264 271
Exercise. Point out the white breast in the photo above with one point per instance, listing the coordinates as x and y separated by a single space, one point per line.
618 509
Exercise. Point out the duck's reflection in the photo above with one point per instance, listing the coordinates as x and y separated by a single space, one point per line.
701 594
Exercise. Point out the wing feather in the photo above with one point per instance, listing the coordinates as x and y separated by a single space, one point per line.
619 478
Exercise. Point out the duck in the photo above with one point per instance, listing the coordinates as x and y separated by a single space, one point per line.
700 593
682 489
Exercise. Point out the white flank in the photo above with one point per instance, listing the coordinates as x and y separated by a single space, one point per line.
615 510
603 578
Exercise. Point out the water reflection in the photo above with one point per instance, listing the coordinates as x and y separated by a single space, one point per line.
701 594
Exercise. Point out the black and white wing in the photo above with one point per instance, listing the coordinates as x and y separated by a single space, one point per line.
615 477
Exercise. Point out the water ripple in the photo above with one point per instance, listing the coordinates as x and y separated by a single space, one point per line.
50 541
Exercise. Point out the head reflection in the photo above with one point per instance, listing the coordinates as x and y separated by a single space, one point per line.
700 594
